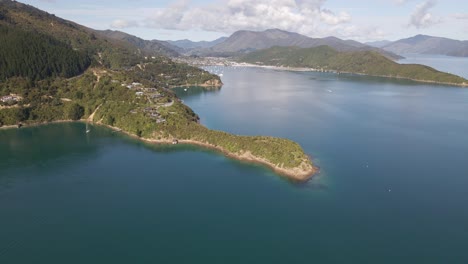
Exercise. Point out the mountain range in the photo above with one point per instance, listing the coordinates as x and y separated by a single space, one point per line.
115 49
244 41
423 44
152 47
188 45
379 43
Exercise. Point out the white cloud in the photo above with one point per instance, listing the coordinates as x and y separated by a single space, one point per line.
303 16
330 18
400 2
422 17
461 16
122 23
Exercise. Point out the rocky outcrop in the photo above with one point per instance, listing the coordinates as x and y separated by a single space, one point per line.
213 83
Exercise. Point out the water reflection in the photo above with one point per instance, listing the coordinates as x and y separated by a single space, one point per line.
31 146
192 91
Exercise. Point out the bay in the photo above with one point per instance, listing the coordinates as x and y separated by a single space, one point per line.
453 65
392 187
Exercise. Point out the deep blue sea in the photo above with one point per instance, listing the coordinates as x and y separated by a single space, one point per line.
393 186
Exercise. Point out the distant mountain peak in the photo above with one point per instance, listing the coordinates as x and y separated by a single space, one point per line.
187 45
244 41
424 44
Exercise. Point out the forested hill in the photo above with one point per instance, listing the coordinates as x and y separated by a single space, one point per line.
37 56
39 53
360 62
103 51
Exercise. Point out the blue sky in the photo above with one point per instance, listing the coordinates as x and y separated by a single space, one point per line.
361 20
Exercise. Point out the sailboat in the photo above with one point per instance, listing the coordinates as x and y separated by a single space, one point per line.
87 128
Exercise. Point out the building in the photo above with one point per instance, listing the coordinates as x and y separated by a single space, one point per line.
9 99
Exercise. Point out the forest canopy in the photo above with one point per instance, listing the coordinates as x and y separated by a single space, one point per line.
36 56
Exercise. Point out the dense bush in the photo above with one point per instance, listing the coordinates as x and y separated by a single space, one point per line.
37 56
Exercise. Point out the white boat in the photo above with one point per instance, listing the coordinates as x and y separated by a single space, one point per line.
87 128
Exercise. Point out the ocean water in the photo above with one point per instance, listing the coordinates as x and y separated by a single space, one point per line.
392 187
453 65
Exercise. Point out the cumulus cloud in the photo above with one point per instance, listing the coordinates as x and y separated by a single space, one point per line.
422 17
227 16
331 18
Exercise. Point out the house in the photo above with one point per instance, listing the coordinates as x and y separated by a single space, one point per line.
156 96
139 93
9 99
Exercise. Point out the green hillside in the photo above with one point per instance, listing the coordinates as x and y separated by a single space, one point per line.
37 56
104 52
360 62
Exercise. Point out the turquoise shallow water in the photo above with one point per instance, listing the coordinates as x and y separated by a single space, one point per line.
392 187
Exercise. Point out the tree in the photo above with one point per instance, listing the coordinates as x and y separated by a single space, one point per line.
22 114
110 120
74 111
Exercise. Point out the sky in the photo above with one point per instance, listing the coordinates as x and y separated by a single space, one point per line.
361 20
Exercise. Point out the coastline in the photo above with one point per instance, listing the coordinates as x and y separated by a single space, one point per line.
304 69
40 124
301 173
197 85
